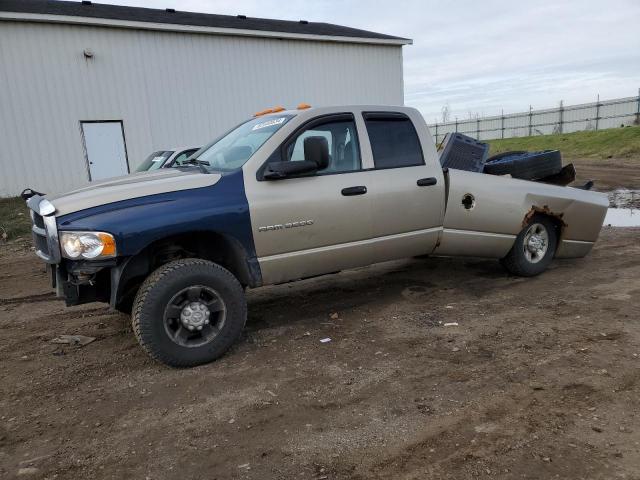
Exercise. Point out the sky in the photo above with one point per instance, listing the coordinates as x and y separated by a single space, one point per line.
484 56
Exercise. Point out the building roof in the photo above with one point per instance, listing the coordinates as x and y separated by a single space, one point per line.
117 15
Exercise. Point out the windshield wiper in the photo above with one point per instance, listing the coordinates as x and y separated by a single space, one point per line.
199 163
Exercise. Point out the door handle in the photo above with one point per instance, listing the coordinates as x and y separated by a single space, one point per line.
350 191
426 182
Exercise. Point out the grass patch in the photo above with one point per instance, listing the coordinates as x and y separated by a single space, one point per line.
14 218
611 143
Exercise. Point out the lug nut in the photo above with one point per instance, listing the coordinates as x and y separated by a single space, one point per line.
190 327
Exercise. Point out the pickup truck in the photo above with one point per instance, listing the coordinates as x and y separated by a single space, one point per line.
288 195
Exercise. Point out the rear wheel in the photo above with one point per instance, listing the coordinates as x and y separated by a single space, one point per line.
189 312
533 249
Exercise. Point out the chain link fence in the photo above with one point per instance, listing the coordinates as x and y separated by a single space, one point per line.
564 119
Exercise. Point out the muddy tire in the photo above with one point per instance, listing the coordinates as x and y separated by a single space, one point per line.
188 312
533 249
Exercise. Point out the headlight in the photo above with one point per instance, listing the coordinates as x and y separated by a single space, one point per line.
87 245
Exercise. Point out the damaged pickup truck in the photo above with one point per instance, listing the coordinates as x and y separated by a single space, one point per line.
287 195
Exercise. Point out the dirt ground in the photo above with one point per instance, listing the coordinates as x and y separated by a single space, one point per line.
538 378
608 174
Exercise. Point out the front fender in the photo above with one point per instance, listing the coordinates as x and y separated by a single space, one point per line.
138 222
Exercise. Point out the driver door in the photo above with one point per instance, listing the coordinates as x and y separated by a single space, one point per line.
315 223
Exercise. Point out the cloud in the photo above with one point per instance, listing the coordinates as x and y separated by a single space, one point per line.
481 56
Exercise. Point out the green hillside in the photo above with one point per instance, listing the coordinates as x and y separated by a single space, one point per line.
611 143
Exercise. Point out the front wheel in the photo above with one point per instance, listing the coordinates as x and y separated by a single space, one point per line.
189 312
533 249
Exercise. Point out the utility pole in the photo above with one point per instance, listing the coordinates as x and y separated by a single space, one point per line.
456 124
530 118
597 111
502 123
561 115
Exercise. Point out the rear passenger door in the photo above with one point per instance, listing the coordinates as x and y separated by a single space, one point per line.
407 186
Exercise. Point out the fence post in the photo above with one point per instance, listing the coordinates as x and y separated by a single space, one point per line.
530 118
477 128
638 111
597 111
502 123
436 132
561 119
456 124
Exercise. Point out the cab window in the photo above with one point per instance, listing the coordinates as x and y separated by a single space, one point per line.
344 151
394 141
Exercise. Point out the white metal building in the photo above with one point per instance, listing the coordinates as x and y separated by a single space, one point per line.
88 90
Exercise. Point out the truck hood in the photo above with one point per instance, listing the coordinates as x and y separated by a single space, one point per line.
131 186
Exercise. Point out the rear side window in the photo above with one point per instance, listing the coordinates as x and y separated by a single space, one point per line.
394 141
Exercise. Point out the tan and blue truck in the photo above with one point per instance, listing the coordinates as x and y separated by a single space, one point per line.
288 195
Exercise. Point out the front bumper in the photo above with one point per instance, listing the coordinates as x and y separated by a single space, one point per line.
82 282
76 281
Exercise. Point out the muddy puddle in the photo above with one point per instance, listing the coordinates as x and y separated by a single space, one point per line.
624 208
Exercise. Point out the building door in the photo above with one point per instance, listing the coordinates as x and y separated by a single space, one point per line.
105 149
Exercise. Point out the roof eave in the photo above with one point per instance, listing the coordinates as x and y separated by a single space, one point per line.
170 27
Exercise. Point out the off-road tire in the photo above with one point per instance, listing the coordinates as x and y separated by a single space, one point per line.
154 295
516 261
525 165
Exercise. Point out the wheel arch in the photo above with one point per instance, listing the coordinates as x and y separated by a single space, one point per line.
217 247
553 217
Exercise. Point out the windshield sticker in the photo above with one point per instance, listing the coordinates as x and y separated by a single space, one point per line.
157 159
269 123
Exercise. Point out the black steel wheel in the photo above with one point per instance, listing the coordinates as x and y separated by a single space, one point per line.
194 316
189 312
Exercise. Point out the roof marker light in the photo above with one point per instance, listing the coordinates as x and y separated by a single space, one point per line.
263 112
303 106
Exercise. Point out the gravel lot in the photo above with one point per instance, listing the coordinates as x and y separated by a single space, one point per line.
539 378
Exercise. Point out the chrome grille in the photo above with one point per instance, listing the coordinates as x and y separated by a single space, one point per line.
37 219
41 244
44 229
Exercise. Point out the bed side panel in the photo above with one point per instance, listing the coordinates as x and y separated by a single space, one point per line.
500 206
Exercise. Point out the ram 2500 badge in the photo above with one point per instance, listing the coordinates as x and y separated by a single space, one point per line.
286 195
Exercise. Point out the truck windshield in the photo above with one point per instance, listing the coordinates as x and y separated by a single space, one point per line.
232 150
154 161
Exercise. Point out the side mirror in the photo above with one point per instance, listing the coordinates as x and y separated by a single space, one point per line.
316 157
316 149
276 170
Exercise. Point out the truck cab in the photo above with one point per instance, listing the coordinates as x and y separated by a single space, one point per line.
286 195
